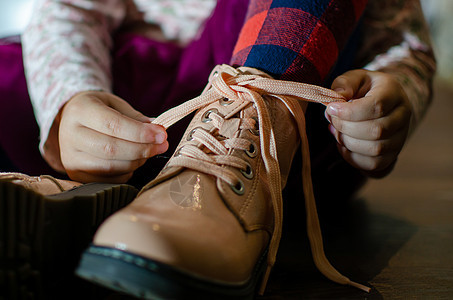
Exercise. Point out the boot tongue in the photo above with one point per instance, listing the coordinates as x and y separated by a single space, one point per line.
230 127
253 71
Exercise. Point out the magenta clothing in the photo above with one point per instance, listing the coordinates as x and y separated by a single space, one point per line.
67 45
19 132
152 76
138 77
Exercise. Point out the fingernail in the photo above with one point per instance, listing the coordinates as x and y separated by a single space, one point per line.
333 109
159 138
339 90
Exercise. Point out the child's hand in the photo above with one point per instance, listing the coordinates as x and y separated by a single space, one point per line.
102 138
372 129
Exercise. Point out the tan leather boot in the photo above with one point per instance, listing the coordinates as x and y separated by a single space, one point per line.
45 223
209 225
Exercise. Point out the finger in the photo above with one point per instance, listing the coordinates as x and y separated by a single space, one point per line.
374 130
85 177
352 84
109 121
372 148
125 108
101 167
379 94
363 109
367 163
107 147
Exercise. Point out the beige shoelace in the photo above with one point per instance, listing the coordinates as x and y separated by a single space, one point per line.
232 84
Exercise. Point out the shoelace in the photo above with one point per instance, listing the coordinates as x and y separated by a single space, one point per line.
232 84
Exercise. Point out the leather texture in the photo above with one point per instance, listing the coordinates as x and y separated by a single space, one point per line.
197 223
44 185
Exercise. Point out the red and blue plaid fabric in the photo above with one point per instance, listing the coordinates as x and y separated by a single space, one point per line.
296 40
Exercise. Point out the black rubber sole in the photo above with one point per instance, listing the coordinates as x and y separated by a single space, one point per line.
143 278
42 237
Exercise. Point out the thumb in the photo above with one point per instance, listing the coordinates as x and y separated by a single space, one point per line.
352 84
126 109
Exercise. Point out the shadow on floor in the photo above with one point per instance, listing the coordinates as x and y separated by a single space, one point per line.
357 242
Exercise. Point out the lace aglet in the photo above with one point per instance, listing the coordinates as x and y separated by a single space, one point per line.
264 281
360 286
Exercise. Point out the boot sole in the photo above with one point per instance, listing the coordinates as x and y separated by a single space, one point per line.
144 278
42 237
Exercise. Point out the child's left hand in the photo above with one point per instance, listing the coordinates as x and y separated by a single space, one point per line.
372 128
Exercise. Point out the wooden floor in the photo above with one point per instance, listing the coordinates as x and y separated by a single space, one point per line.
396 236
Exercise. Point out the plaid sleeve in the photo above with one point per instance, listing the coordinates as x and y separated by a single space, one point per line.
296 40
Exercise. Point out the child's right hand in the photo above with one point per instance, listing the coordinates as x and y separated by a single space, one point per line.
103 139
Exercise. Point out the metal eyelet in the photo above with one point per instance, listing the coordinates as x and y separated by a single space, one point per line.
178 152
251 151
238 188
225 101
255 131
205 118
190 135
248 172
